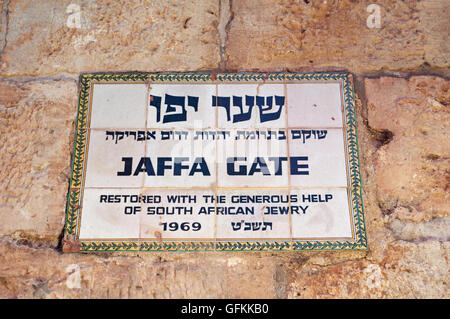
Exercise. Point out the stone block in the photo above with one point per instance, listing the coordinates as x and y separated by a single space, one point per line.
36 140
293 35
47 37
412 170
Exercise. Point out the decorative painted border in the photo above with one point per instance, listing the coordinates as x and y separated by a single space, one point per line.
177 246
97 246
72 244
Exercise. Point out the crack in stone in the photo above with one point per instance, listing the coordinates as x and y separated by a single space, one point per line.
33 243
382 137
20 79
5 23
59 246
226 15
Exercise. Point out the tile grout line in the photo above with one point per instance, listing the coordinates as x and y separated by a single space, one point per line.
219 188
142 189
216 168
288 155
219 128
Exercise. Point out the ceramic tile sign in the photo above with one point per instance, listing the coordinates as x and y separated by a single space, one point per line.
215 162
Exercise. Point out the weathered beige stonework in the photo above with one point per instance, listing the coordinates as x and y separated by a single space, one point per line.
433 15
44 273
403 131
279 34
407 271
36 133
413 168
110 35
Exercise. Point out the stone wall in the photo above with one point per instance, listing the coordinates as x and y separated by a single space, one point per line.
401 73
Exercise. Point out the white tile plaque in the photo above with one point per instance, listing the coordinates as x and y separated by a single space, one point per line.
227 162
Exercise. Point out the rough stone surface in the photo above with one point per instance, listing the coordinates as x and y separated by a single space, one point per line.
413 168
434 15
334 34
44 273
436 229
43 38
36 127
407 271
403 132
3 24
